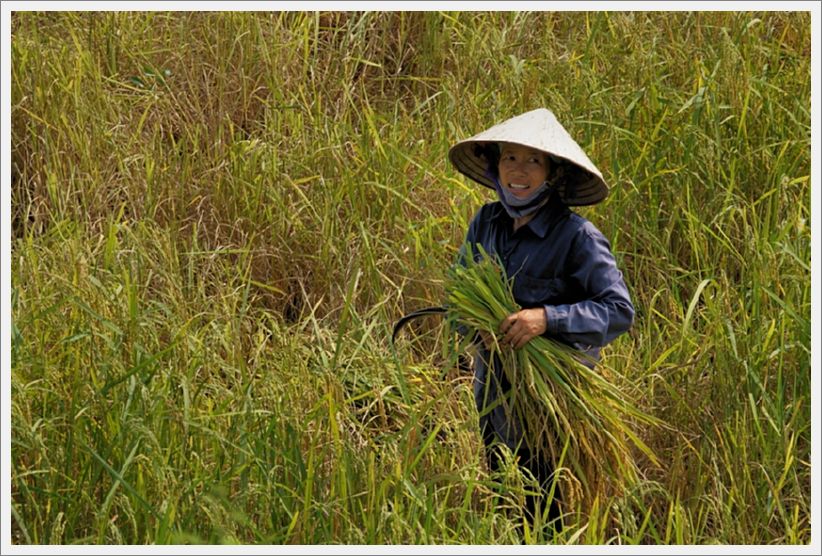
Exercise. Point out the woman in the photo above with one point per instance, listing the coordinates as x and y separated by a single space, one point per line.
565 277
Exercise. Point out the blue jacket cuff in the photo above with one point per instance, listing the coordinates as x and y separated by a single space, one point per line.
551 324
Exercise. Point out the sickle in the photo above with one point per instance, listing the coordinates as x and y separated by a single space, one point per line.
415 315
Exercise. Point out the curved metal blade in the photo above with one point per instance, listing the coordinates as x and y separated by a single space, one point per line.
414 315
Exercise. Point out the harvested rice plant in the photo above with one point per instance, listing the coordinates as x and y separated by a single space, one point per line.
218 217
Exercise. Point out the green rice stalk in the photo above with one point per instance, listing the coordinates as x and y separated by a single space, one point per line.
554 396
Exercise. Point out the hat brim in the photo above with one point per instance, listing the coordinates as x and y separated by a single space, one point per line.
579 187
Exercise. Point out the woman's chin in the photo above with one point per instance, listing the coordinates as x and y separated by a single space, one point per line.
521 193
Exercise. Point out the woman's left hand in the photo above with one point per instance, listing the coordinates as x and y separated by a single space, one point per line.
519 328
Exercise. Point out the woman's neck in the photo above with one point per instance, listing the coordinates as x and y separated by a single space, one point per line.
521 221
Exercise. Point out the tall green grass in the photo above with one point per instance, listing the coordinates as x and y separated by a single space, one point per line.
218 217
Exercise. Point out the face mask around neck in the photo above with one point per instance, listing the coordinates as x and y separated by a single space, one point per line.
517 207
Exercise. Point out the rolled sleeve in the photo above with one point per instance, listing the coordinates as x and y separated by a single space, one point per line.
551 319
606 310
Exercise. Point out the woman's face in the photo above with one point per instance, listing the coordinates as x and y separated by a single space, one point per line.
521 169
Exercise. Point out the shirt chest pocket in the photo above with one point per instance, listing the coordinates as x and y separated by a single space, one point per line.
532 292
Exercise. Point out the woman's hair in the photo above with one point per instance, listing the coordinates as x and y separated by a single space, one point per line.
490 153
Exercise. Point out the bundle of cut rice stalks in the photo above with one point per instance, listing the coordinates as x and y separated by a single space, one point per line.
577 417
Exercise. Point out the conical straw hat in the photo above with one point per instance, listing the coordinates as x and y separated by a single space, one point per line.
581 183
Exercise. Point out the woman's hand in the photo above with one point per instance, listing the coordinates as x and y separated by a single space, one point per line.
519 328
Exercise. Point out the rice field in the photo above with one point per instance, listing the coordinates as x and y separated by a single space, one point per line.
218 217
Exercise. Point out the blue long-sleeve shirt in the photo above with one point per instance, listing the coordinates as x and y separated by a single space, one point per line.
563 263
